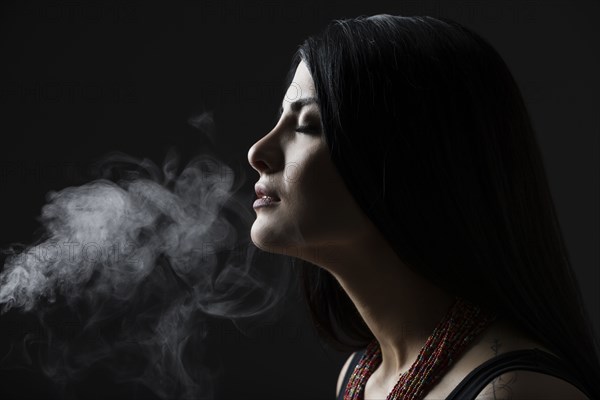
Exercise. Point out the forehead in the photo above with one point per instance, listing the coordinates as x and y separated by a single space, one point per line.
302 84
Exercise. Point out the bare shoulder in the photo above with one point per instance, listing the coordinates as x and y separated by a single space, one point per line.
529 385
342 374
504 337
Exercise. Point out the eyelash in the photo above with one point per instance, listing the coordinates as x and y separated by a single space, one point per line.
305 129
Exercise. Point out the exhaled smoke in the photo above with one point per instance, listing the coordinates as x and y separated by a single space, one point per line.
138 263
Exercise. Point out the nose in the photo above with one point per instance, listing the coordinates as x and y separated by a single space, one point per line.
266 154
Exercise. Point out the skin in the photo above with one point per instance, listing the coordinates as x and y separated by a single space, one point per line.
316 212
318 220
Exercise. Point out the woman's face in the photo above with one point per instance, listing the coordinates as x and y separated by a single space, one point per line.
310 207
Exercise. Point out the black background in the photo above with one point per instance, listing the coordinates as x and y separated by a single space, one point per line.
79 79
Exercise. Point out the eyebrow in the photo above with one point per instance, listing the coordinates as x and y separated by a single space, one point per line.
297 105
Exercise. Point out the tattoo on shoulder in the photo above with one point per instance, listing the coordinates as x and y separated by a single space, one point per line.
496 346
499 388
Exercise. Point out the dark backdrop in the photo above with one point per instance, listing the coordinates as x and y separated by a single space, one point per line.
79 79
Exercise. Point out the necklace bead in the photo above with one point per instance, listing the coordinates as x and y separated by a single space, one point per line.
462 323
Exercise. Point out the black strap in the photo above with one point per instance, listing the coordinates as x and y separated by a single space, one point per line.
529 360
469 388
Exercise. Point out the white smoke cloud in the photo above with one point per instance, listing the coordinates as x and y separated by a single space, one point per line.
151 254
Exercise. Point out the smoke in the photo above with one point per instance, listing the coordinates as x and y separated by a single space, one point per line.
139 258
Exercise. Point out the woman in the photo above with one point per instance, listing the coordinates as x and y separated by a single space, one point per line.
405 175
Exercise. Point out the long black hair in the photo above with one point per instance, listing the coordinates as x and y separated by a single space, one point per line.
429 131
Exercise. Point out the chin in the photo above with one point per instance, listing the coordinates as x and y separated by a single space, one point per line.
273 242
263 238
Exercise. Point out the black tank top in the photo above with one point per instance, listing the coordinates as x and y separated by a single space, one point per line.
530 360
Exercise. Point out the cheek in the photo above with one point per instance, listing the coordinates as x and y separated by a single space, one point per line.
324 206
311 179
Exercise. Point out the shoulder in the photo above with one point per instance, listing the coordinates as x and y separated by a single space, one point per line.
523 384
343 374
529 385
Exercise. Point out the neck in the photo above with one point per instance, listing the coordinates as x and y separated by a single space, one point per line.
400 307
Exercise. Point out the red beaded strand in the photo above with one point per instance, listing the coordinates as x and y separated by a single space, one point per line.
458 328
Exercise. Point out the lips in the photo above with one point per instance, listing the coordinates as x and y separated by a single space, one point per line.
262 191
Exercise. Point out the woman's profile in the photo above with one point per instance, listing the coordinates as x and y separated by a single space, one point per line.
404 173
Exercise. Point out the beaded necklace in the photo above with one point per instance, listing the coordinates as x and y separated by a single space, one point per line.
460 325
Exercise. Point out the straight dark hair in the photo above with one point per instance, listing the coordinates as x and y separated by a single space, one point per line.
429 131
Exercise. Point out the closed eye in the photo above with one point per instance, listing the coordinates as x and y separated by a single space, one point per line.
306 129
